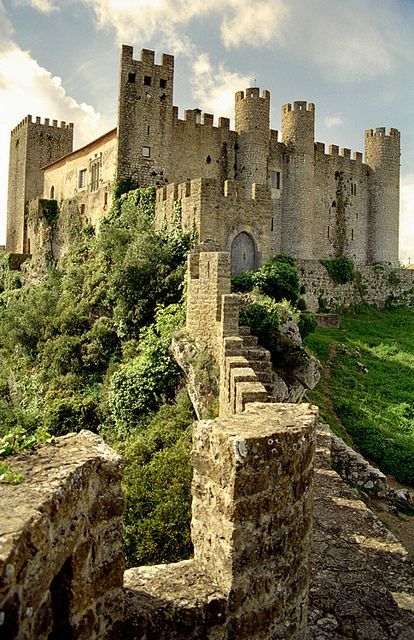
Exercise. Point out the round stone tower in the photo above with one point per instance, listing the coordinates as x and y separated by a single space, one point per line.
382 155
298 134
252 124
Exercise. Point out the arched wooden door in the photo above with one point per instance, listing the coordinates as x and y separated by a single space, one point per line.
243 254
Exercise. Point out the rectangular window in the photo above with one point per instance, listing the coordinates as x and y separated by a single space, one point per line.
132 77
274 179
95 171
146 152
147 80
163 83
353 188
82 178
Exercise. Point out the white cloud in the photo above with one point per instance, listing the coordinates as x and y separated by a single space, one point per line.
255 23
45 6
26 87
333 121
407 219
350 39
214 88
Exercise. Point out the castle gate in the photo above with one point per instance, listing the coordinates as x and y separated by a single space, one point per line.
243 254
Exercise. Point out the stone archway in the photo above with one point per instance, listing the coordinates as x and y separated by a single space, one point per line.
243 254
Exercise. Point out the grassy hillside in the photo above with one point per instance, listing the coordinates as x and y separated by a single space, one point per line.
373 408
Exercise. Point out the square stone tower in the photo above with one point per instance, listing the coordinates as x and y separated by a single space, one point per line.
32 146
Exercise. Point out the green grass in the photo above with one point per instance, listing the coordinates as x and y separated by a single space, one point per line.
374 410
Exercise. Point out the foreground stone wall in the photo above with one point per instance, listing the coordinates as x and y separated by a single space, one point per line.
61 563
252 511
379 285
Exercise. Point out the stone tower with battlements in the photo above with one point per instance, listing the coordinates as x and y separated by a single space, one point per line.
252 125
144 116
298 134
382 155
33 144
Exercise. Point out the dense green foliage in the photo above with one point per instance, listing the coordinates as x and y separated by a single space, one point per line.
264 317
374 409
278 279
341 269
88 347
157 481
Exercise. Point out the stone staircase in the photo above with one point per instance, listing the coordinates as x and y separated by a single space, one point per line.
259 360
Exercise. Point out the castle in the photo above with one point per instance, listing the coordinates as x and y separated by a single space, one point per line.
251 193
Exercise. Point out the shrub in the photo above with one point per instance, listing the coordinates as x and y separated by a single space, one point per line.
307 324
278 279
157 487
141 384
243 282
341 269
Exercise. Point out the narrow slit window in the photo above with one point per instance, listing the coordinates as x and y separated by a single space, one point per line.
274 179
82 178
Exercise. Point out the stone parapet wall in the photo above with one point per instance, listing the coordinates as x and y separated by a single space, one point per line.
61 562
252 511
213 316
378 285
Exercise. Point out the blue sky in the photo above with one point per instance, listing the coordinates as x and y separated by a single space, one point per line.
353 58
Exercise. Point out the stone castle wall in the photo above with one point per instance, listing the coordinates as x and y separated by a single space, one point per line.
61 547
219 213
61 562
378 285
341 206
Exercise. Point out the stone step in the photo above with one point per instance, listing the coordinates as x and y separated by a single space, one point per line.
260 365
254 354
244 331
249 341
265 377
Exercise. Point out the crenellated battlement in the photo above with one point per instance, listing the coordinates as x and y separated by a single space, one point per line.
334 151
195 117
299 106
381 132
28 120
232 189
147 57
252 92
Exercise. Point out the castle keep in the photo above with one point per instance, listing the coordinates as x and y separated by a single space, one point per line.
253 192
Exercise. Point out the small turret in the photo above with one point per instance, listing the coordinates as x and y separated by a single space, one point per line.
298 126
252 112
382 155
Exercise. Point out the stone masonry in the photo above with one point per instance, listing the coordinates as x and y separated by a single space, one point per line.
61 562
251 192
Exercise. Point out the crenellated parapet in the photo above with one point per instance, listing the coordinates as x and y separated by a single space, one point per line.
46 122
334 152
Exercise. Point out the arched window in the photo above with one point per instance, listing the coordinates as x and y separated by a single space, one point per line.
52 192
